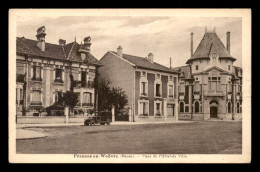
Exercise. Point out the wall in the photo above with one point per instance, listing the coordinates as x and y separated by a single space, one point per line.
203 63
119 73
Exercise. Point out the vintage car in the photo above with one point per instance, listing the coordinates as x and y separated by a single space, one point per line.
101 118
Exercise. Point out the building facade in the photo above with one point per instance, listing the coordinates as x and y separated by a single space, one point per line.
209 85
150 87
45 71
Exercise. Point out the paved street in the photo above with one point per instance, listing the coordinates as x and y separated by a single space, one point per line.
205 137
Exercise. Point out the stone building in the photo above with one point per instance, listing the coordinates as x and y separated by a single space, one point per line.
44 71
209 85
149 86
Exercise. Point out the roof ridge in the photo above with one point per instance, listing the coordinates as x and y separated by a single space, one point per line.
25 46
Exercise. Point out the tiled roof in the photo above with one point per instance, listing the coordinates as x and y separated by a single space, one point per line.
185 72
69 51
142 62
210 43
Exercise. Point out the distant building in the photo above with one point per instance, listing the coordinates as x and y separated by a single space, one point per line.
149 86
44 71
209 85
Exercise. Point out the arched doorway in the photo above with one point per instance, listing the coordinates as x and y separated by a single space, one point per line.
213 104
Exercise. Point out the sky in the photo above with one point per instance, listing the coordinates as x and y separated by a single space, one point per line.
165 37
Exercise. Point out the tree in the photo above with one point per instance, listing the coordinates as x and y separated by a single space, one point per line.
69 99
107 97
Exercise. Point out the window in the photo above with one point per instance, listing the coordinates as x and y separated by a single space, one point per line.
19 96
196 78
143 90
158 109
229 107
143 73
83 78
197 87
58 75
238 107
158 90
158 75
214 83
87 99
182 87
36 73
228 67
197 67
170 90
36 98
143 111
181 107
83 56
171 78
58 96
197 107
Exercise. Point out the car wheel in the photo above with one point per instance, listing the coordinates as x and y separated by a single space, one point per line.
102 123
108 122
86 123
91 123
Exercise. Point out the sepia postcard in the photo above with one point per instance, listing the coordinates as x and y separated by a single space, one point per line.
129 86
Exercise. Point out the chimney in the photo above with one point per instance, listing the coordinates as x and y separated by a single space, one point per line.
120 51
228 41
62 42
150 57
191 44
41 38
87 43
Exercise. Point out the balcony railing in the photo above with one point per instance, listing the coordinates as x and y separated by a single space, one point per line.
20 102
36 103
196 92
36 79
83 84
213 93
87 104
143 94
58 80
181 94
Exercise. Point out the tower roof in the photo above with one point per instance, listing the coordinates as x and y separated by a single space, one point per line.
210 43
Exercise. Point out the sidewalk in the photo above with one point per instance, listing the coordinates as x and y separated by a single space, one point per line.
20 126
27 134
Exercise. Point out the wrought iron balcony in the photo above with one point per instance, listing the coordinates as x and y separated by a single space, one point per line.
87 104
213 93
83 84
36 103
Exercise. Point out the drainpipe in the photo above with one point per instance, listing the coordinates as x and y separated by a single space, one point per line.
133 109
234 99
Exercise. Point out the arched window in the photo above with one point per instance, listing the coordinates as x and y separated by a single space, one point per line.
181 107
229 107
238 107
197 107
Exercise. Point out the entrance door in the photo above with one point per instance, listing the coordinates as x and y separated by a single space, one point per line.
213 112
170 109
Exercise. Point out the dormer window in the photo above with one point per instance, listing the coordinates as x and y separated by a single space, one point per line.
83 56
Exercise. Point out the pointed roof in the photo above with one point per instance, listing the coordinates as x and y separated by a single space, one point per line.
67 52
210 43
